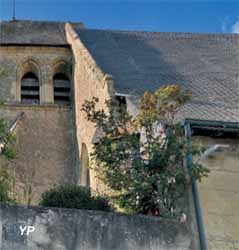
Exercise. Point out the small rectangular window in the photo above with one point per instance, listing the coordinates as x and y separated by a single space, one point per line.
121 102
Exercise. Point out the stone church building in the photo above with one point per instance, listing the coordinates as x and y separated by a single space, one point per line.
49 69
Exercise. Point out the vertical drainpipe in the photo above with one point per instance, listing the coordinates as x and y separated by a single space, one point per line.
200 225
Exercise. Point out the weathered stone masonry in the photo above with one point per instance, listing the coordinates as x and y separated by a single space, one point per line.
51 138
45 135
45 150
89 81
66 229
45 58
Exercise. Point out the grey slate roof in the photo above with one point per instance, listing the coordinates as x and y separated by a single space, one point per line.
206 64
34 33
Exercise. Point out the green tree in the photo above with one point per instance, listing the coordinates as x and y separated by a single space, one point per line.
142 158
7 153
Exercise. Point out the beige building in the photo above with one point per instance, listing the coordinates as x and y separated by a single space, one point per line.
51 68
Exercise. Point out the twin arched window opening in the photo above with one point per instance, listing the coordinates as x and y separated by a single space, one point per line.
30 85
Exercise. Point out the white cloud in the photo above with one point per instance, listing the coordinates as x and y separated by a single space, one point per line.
235 27
225 23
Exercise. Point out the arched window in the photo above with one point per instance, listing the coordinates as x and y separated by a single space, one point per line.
30 93
84 167
62 84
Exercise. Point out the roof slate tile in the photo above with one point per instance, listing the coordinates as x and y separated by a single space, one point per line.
206 64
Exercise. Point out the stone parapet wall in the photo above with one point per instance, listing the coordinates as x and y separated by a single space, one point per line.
65 229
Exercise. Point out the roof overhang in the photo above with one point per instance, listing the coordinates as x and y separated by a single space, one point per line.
206 125
34 45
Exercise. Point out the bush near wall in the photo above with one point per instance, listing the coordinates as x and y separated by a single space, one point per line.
72 196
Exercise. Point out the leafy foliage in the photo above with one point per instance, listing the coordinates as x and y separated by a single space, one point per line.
7 140
7 153
142 158
6 182
72 196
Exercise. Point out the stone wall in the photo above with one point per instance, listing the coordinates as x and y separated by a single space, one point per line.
89 81
45 136
65 229
45 149
219 194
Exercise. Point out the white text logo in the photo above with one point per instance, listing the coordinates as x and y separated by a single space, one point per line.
27 229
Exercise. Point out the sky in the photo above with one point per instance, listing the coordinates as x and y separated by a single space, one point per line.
151 15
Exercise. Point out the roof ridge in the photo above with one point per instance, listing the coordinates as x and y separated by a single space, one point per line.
37 21
28 32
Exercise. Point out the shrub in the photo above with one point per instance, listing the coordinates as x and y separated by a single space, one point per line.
72 196
142 158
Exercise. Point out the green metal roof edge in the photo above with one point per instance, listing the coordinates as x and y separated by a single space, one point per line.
204 123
